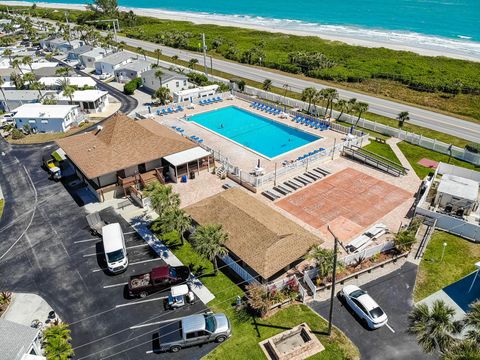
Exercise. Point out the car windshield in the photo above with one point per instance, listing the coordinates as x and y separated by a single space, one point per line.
210 323
357 293
376 313
115 256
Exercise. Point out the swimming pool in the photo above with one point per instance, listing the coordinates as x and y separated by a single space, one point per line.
264 136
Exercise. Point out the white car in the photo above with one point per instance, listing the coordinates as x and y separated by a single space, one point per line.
370 313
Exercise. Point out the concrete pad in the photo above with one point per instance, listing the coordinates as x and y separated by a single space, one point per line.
442 295
27 307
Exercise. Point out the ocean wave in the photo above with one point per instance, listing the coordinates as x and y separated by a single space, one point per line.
461 47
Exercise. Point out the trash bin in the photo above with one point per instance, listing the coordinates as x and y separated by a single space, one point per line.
192 175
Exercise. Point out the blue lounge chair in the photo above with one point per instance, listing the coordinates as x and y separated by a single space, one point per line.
219 98
200 140
201 102
253 104
180 108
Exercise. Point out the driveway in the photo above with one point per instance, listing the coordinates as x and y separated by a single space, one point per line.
46 248
393 292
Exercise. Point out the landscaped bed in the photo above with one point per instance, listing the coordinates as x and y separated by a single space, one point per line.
47 137
2 204
249 331
459 260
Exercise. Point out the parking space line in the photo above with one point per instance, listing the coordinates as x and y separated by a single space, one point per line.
115 285
130 247
390 328
130 264
154 323
140 302
149 352
86 240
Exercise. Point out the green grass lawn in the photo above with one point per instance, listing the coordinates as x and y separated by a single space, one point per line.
433 275
415 153
383 150
247 332
2 204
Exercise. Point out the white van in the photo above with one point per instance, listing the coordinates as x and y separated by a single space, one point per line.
114 246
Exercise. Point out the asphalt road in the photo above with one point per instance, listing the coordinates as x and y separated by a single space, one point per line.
418 116
429 119
46 248
393 293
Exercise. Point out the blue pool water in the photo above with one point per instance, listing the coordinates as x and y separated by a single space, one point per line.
262 135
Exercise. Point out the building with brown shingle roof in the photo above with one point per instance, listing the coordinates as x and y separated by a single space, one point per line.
120 148
266 242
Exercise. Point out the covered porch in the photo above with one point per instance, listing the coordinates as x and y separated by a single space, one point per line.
187 163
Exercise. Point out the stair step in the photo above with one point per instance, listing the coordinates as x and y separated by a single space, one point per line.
269 195
301 180
304 179
291 185
308 176
284 189
277 189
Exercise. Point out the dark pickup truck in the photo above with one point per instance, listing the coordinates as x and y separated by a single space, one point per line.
157 279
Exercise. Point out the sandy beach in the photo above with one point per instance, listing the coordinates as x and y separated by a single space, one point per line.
418 43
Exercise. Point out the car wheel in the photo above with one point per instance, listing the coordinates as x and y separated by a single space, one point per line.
143 294
221 339
175 349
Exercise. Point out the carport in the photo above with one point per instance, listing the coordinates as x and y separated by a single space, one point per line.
187 161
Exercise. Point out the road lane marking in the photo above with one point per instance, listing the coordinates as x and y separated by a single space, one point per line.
87 240
140 302
390 328
115 285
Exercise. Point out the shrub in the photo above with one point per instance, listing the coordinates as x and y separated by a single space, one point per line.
130 87
258 298
472 147
17 134
404 240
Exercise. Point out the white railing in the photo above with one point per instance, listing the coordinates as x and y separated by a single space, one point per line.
367 253
280 284
308 275
412 138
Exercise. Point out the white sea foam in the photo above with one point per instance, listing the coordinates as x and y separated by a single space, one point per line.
462 47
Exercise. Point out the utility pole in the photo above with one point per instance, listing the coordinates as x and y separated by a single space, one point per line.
334 279
204 48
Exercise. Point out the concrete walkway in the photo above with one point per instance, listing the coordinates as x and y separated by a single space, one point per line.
403 160
140 220
25 308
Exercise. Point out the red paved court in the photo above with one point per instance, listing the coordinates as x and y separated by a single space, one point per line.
428 163
349 201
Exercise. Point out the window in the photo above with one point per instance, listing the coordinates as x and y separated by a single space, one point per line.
44 121
184 82
191 335
177 84
32 121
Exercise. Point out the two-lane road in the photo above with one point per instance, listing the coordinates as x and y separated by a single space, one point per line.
429 119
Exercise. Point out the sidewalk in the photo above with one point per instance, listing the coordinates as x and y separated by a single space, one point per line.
140 220
25 308
403 160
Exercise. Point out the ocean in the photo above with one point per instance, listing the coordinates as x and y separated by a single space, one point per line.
450 24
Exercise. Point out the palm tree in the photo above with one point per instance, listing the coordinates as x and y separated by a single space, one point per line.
61 331
192 63
27 60
68 91
323 258
342 106
176 219
209 241
158 52
472 320
267 84
36 85
351 104
49 57
3 94
332 94
434 327
162 94
360 107
158 75
16 64
402 117
463 350
308 94
162 197
58 349
63 71
9 53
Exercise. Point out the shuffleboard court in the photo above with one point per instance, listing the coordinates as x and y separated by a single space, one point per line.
349 201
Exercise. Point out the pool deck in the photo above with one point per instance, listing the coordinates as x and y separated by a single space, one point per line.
239 155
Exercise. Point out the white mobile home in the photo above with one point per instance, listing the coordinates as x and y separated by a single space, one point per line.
47 118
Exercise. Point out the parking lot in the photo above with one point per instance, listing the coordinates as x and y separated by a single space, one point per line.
393 292
47 248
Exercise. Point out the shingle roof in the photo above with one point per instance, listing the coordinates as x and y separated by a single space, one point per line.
121 143
15 339
262 237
